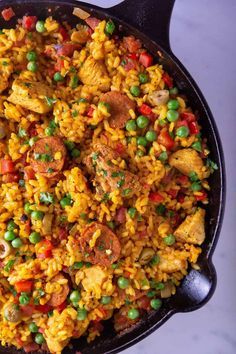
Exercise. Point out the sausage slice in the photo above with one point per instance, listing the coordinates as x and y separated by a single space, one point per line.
47 156
58 298
120 105
100 245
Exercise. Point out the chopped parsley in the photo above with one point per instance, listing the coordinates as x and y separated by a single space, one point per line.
43 157
50 101
213 166
160 209
74 113
73 69
126 192
22 133
9 265
50 170
46 198
117 174
120 183
106 196
5 63
95 156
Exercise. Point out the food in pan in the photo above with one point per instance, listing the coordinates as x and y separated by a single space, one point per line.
103 182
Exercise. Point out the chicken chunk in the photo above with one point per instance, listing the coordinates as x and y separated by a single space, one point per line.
172 261
192 229
31 95
6 68
56 346
186 161
93 280
94 73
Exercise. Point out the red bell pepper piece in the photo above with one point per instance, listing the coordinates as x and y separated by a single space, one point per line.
189 117
172 192
165 139
133 56
167 80
201 197
145 109
63 32
120 149
27 309
45 248
62 306
59 64
144 303
183 179
92 22
155 197
90 111
43 308
29 173
7 14
193 127
10 177
7 166
24 286
181 123
29 22
146 59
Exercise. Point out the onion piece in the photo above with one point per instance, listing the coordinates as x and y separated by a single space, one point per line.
5 249
168 290
47 224
80 13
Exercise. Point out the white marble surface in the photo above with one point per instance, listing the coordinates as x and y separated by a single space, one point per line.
203 36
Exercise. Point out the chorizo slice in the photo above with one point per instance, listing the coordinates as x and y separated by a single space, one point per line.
58 298
120 105
100 245
47 156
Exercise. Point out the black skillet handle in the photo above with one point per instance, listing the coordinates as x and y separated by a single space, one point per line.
152 17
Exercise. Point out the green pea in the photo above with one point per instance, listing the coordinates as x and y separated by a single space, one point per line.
81 314
163 156
160 209
32 66
33 327
142 121
16 243
105 300
155 260
151 135
141 140
172 115
78 265
169 240
123 283
37 215
40 26
34 237
39 338
49 131
155 303
151 293
75 153
58 77
173 104
193 176
27 208
69 144
140 153
74 81
197 146
132 212
24 299
65 201
131 125
75 296
133 314
174 91
11 226
31 56
182 132
135 91
110 27
143 78
196 186
9 235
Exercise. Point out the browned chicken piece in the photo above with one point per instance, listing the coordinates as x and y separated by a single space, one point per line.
31 95
192 229
81 35
186 161
172 261
120 105
108 176
6 68
94 73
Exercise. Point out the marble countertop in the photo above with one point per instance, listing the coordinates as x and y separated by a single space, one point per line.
203 37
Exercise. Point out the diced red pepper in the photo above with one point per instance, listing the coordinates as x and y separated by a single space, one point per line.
121 215
183 179
7 14
24 286
27 227
31 347
120 149
92 22
172 192
201 197
180 197
189 117
67 49
63 32
133 56
32 130
10 177
45 248
43 308
129 63
193 127
63 233
7 166
165 139
59 64
145 109
29 173
29 22
155 197
132 44
27 309
181 123
62 306
167 80
144 303
146 59
90 111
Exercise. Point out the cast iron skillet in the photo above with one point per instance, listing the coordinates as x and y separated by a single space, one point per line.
149 21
